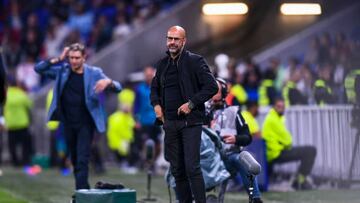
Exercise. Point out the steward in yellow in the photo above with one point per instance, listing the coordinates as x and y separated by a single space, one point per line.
291 93
352 86
279 147
249 115
17 121
322 91
267 89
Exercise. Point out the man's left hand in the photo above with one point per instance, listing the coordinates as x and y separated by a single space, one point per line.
184 109
101 85
229 139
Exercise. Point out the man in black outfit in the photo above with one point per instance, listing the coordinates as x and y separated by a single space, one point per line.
183 82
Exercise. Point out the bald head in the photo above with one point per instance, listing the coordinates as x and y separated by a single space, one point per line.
175 40
178 29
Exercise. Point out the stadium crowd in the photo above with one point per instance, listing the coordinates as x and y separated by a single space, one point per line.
35 30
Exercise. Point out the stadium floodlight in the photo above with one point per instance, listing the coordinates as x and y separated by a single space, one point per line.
300 9
225 9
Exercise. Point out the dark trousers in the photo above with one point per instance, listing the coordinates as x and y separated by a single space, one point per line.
20 138
78 140
305 154
182 150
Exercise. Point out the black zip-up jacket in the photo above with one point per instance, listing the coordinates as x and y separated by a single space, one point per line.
197 84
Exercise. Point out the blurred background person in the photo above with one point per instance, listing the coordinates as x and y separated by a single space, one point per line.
291 94
145 115
279 147
121 130
323 91
17 120
250 113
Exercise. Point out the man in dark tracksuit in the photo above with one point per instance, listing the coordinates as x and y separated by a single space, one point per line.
181 86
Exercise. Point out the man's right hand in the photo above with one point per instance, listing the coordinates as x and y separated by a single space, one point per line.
61 57
159 113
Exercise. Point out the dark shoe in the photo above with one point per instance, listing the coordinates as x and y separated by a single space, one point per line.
257 200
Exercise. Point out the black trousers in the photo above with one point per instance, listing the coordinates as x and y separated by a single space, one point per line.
182 150
305 154
78 140
20 138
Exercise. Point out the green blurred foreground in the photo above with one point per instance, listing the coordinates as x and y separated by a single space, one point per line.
50 187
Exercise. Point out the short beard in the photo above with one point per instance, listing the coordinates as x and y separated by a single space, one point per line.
178 51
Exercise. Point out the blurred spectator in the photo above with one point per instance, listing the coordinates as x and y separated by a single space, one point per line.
72 37
32 23
324 48
312 54
267 90
279 147
251 68
237 95
250 114
221 61
26 75
139 19
51 44
322 88
291 93
121 126
17 119
122 29
14 19
32 44
279 71
81 19
61 30
61 8
251 85
12 51
37 28
293 64
101 33
145 115
305 84
352 85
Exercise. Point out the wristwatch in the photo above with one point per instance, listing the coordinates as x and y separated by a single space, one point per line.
191 105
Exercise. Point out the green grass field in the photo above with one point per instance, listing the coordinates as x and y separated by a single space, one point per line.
51 187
